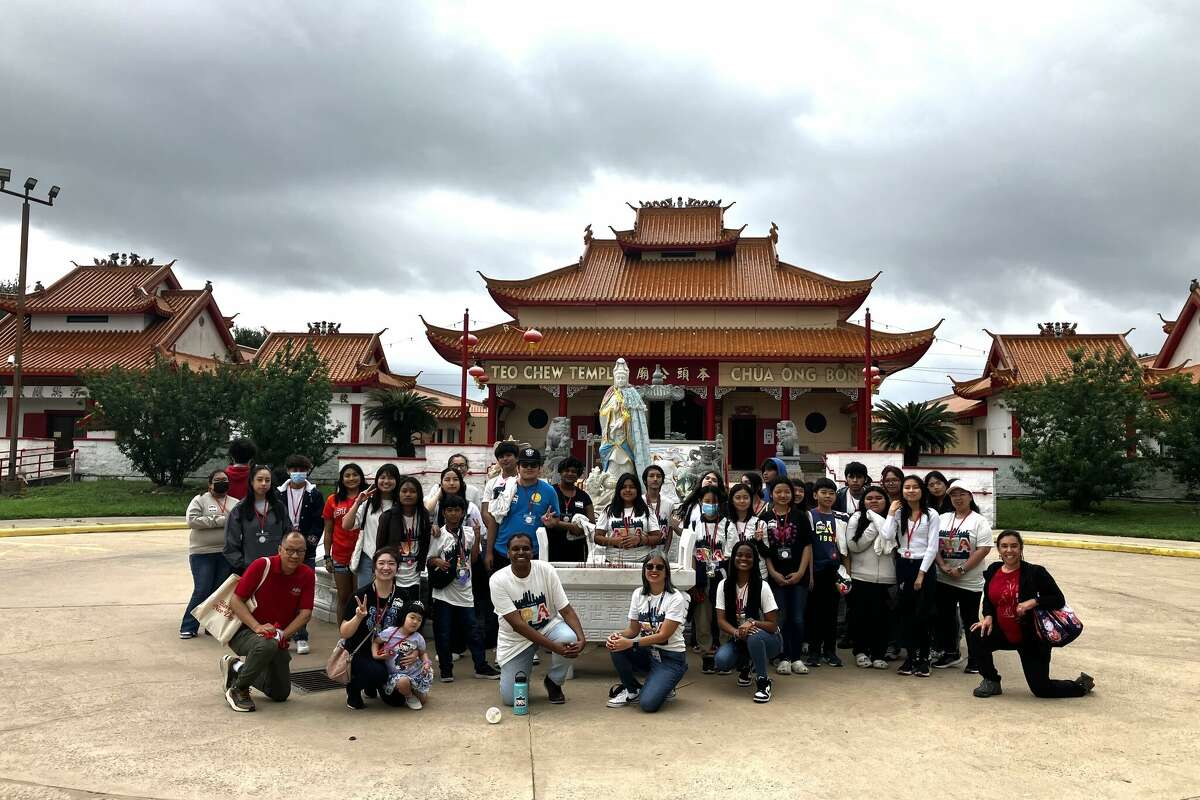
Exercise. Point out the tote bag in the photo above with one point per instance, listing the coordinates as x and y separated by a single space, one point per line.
216 615
1057 628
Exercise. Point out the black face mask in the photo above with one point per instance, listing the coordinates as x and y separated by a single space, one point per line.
220 487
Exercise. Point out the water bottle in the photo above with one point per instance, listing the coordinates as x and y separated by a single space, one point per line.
521 694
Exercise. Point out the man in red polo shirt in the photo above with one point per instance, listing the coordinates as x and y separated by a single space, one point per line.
284 595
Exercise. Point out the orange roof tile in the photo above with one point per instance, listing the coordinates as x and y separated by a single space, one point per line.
353 359
675 227
1029 358
101 288
958 405
751 275
842 343
448 404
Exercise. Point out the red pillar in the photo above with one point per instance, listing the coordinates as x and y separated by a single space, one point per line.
785 403
462 408
492 420
710 408
355 417
562 400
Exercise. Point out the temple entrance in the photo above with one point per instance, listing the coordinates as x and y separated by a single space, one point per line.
687 417
743 451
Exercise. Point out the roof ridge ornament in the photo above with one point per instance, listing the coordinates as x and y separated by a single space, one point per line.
1057 329
678 202
123 260
325 328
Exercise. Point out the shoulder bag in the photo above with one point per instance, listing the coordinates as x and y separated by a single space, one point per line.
338 665
1058 627
216 615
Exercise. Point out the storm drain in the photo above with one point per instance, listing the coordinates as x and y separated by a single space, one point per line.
314 680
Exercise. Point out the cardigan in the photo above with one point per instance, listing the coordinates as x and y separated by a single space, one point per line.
1036 582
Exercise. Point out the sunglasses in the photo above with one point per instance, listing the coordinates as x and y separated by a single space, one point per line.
655 568
529 464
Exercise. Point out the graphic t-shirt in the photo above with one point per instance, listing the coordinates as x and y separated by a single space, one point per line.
628 523
450 545
281 597
404 534
753 530
538 597
957 540
824 540
1002 592
382 612
787 536
525 514
562 548
766 600
650 611
708 549
342 547
396 645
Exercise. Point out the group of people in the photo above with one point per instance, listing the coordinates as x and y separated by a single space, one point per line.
785 573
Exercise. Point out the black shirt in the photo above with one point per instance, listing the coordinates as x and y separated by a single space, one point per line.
785 539
392 611
562 549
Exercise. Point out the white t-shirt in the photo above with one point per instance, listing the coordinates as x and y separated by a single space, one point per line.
730 533
472 518
539 596
957 540
663 511
445 545
631 521
367 522
650 611
766 600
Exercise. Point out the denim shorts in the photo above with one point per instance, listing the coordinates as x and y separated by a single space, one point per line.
341 569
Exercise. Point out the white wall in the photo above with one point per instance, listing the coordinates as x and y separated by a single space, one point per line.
1189 345
31 405
999 428
203 338
116 322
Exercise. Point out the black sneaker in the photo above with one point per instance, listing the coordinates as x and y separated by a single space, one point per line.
971 668
371 692
555 691
845 644
227 671
487 672
920 669
724 672
988 688
354 701
948 660
1086 682
833 660
906 668
446 677
743 678
763 693
812 661
707 665
239 699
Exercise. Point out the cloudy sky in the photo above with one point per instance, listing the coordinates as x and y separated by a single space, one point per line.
1002 164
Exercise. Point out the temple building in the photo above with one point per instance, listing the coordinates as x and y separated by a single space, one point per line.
1181 349
723 335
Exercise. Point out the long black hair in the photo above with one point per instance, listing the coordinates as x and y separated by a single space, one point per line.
462 492
342 492
863 519
906 517
617 507
731 512
660 555
376 501
941 505
753 586
899 474
248 502
685 508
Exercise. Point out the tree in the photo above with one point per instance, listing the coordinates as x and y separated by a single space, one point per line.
400 413
1085 433
249 337
284 407
1180 435
168 419
913 427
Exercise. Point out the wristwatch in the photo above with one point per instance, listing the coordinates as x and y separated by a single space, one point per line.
636 644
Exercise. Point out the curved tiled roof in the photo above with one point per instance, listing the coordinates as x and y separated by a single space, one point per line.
677 227
1029 358
102 289
353 359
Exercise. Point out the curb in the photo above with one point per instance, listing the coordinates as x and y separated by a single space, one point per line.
1115 547
108 527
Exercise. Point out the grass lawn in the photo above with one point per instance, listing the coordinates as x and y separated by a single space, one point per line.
1178 521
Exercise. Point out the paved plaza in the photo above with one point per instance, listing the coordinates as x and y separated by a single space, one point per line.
100 699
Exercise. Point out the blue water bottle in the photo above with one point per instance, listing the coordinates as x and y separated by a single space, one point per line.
521 694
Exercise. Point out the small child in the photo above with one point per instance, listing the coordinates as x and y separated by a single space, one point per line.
392 644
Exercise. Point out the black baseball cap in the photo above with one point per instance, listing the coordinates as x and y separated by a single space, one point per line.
529 455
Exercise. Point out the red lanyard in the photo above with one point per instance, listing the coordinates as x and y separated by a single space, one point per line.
741 531
295 512
223 504
710 536
263 518
912 528
954 528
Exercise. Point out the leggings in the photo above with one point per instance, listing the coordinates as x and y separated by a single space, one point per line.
1035 662
870 618
916 607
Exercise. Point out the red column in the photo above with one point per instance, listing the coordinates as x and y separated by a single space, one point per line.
785 403
710 407
491 408
355 415
562 400
1016 437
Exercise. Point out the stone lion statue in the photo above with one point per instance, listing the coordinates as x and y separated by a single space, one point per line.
787 441
558 435
600 486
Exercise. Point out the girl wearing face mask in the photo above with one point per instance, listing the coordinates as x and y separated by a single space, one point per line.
708 559
206 539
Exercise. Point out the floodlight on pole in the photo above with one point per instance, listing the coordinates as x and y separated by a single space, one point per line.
30 184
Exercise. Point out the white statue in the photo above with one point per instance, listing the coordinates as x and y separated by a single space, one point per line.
625 446
669 468
787 440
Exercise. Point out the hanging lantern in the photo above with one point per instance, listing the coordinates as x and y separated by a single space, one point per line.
482 379
532 337
476 371
472 339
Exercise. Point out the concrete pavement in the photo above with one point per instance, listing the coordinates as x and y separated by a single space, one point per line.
102 699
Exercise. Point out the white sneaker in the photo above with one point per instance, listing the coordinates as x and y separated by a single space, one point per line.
863 660
302 647
455 656
799 667
784 668
413 702
623 698
879 663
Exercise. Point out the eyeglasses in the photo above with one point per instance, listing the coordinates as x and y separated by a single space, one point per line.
294 552
655 567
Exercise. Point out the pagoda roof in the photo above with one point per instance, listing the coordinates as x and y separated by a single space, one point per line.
448 405
1016 359
1176 328
749 274
689 227
102 288
66 353
353 359
845 342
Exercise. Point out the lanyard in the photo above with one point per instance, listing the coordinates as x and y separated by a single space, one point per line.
954 528
742 595
263 518
780 521
459 541
710 536
912 528
223 504
294 513
741 530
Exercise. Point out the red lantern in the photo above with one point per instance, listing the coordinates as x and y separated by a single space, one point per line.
482 379
532 337
476 371
472 340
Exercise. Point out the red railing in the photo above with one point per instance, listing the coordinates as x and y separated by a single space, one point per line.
35 463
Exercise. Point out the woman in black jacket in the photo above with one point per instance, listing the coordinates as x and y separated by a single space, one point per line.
1012 589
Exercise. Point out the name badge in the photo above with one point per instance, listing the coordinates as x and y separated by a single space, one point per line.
529 519
785 553
464 575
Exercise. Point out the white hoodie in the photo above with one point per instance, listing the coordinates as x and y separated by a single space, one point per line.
870 557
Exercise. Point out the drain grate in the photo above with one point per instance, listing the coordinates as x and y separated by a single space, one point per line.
314 680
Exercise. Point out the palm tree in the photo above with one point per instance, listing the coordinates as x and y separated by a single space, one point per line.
913 427
400 413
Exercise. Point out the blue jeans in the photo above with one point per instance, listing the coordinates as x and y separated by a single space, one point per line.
447 621
663 674
791 601
761 647
365 572
209 570
302 634
523 662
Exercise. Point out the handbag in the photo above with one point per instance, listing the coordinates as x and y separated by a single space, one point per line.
216 615
338 665
1057 627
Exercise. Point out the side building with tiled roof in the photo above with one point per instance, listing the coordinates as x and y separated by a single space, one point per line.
740 338
117 311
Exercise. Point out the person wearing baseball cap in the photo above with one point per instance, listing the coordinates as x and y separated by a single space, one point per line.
531 503
965 540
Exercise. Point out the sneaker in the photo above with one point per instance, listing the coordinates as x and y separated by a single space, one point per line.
862 660
799 667
833 660
812 661
623 698
371 692
920 669
724 672
446 677
988 688
227 671
239 699
971 668
186 635
706 665
555 691
355 702
671 695
763 693
784 668
457 656
487 672
935 653
413 702
1086 682
615 690
302 647
844 644
879 663
743 678
892 654
906 668
948 660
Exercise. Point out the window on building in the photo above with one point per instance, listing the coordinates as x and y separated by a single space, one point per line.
538 419
87 317
451 436
981 447
679 255
815 422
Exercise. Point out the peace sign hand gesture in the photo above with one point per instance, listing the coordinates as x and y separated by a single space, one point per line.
360 609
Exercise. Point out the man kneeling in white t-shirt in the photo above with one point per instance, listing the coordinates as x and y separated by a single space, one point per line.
531 608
